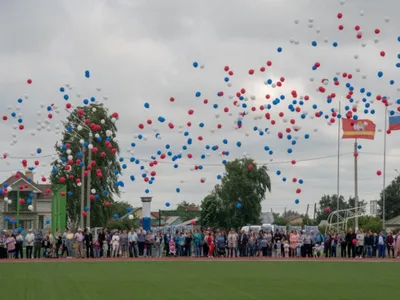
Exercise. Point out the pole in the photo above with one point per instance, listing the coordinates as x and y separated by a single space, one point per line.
338 171
308 206
355 185
384 173
315 210
89 179
82 189
159 217
18 207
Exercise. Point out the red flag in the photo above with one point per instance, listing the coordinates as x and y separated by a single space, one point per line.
358 129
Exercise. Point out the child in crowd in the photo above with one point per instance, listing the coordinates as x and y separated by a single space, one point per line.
286 248
320 251
298 249
315 251
96 249
172 249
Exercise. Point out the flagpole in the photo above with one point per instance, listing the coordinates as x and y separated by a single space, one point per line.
338 169
384 172
356 185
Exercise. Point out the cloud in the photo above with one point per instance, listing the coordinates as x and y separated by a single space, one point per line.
142 51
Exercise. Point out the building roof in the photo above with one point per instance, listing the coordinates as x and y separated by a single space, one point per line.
19 177
189 222
394 222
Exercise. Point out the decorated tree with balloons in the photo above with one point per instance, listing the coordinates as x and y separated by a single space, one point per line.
237 200
89 128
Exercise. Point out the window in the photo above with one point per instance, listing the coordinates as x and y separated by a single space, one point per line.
41 222
13 197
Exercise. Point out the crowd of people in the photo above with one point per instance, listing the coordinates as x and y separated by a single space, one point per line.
194 243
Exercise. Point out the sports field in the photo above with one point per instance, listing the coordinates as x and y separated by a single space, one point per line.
195 280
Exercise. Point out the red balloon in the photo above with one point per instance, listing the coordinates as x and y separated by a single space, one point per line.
170 125
141 126
377 31
5 118
191 111
226 69
172 99
341 27
327 209
262 69
68 105
251 71
357 28
298 191
29 81
205 101
379 173
269 63
107 204
354 242
84 214
382 53
339 15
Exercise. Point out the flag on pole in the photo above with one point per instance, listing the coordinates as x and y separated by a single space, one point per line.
358 129
394 122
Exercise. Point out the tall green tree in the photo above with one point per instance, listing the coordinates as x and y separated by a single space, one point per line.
104 168
239 196
392 201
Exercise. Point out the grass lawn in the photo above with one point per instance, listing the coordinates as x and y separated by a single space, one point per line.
199 280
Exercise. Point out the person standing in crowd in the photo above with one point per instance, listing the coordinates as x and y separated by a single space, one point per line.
243 240
166 238
10 245
350 245
327 245
381 245
100 238
390 244
37 245
397 245
157 243
115 244
3 245
360 237
308 245
232 243
334 243
19 245
29 241
58 241
124 244
252 244
210 244
79 238
205 243
369 242
88 237
188 245
149 241
141 241
294 239
69 241
197 243
133 243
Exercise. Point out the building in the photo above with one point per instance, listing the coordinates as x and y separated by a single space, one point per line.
393 224
22 186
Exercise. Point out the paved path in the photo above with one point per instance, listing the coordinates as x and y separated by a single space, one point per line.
202 259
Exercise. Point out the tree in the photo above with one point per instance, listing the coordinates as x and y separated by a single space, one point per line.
211 211
104 169
328 204
279 219
238 198
392 201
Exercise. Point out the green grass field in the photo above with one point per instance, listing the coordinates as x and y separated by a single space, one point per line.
199 280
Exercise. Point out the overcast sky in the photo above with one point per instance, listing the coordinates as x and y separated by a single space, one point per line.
143 52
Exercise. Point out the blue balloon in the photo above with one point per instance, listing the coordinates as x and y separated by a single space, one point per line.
335 44
239 205
47 222
115 216
278 172
297 201
198 94
86 208
87 74
314 43
279 49
380 74
129 209
195 64
167 204
146 105
147 191
178 190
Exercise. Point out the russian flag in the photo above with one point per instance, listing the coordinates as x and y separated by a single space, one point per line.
394 122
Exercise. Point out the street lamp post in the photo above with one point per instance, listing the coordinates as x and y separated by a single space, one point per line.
89 167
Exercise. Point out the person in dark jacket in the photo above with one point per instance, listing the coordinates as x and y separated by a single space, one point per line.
369 243
100 238
243 240
88 243
350 245
166 239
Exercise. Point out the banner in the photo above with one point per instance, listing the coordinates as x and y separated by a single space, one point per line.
281 228
295 228
358 129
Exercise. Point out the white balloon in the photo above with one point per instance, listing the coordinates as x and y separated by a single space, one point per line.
130 217
79 127
361 13
90 146
9 201
387 19
30 207
93 191
113 120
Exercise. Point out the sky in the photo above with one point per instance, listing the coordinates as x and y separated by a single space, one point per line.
141 52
